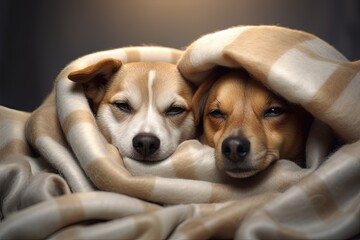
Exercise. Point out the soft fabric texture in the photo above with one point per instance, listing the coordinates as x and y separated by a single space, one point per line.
60 178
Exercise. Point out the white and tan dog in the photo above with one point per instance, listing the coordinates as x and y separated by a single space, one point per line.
142 108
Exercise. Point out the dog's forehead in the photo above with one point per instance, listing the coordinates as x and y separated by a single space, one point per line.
139 81
228 89
140 73
235 86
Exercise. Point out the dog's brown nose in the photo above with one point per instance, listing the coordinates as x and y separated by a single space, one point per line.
146 144
235 148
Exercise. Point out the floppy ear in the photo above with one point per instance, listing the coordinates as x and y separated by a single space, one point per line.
94 79
199 100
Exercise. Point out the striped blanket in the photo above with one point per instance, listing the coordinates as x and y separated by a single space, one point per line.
60 178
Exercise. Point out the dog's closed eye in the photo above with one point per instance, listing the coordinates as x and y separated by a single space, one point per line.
217 113
174 110
124 106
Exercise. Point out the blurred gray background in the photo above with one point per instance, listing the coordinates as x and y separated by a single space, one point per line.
39 37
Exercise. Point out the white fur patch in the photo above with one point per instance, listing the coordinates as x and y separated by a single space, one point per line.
150 116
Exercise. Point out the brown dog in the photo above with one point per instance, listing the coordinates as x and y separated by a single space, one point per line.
248 125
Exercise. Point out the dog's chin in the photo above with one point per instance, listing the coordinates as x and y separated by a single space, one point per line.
157 157
249 167
241 173
150 159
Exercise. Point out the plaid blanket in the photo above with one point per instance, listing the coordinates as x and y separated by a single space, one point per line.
60 178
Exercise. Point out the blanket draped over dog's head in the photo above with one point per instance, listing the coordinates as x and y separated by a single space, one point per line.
60 178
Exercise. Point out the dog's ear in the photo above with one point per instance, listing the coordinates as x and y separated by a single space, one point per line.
95 77
199 101
103 69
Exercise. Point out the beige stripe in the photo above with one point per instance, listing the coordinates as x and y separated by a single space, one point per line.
276 228
115 155
14 147
265 44
44 122
69 233
195 229
71 209
148 207
12 114
220 193
79 116
206 209
225 221
148 227
133 55
332 89
185 66
175 56
320 197
231 216
182 163
108 177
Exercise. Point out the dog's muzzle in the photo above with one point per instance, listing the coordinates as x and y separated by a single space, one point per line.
235 160
235 149
146 144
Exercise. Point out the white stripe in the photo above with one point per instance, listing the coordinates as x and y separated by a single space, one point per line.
302 207
68 100
87 143
61 159
150 111
208 50
336 227
323 49
335 174
151 78
30 220
298 77
156 54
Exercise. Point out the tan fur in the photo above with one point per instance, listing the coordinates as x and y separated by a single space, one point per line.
243 102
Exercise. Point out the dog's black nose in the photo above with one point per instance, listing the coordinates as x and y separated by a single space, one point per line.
146 144
235 148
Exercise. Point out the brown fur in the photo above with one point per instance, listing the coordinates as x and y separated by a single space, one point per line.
242 102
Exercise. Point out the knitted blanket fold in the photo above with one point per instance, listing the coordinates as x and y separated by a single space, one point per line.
61 179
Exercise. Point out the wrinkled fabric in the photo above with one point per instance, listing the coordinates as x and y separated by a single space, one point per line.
60 178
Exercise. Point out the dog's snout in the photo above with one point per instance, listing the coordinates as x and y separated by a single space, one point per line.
146 144
235 148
